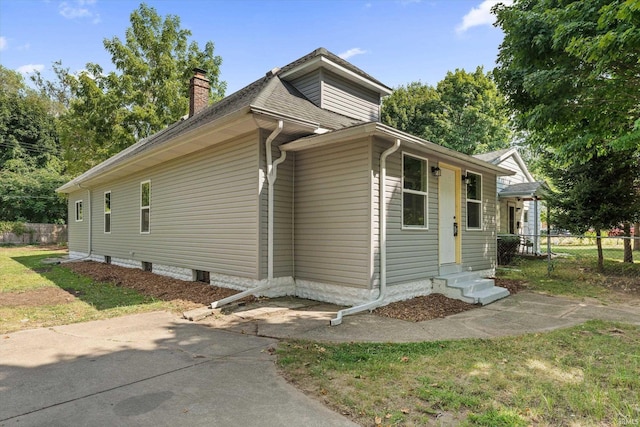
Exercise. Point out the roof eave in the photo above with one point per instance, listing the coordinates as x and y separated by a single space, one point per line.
96 173
377 128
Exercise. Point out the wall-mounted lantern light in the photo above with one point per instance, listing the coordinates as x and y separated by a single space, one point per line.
465 179
436 171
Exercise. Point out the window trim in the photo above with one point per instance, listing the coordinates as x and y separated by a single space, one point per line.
79 214
475 201
422 193
147 207
107 212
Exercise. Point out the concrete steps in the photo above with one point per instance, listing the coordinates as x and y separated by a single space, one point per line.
469 287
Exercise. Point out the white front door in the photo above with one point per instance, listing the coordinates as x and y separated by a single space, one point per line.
448 224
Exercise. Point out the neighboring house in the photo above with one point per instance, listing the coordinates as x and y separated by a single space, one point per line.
291 186
519 196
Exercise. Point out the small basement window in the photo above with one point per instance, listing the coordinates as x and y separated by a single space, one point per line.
147 266
107 259
202 276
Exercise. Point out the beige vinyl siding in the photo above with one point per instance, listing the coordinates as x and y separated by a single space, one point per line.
340 96
332 214
411 254
310 86
204 212
78 231
283 207
479 246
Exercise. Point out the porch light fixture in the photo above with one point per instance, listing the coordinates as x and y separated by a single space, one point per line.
435 170
465 179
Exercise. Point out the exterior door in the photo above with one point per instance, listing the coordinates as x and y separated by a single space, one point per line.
512 220
448 224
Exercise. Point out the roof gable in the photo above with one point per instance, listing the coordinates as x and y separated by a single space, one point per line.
500 158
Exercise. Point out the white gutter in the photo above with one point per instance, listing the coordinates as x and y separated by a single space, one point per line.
383 242
272 174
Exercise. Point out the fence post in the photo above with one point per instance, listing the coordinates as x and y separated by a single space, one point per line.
549 266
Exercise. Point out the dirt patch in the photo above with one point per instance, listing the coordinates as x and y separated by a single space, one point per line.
436 306
37 297
194 294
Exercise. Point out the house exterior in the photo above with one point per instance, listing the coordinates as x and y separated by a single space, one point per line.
519 195
291 186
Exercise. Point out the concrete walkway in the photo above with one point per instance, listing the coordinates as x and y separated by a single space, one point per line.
518 314
149 369
158 369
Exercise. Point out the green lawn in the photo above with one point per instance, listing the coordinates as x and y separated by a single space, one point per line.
574 272
24 273
586 375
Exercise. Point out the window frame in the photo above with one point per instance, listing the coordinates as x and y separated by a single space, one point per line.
425 193
107 212
475 201
79 213
145 207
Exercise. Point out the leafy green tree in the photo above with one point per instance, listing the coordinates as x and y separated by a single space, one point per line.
148 91
595 194
30 164
27 131
464 112
571 72
472 117
28 194
411 108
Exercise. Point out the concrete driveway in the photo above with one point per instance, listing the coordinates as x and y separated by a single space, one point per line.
148 369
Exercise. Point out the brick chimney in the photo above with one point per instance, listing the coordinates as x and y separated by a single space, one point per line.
198 91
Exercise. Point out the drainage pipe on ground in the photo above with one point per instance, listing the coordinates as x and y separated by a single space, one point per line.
383 242
272 175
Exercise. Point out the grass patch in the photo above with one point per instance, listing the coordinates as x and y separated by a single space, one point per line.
576 274
585 375
24 273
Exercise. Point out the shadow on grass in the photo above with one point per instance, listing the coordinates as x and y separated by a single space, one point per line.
100 295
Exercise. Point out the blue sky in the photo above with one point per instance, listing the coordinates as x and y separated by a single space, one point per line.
396 41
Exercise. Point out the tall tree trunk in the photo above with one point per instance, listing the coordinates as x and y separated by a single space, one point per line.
599 245
636 235
628 253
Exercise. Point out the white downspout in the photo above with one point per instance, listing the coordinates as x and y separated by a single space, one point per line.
383 242
272 174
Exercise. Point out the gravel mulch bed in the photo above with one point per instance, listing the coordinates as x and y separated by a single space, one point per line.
199 294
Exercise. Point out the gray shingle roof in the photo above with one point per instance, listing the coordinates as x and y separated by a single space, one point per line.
492 156
524 189
268 92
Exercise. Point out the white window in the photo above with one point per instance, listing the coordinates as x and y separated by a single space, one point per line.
79 210
474 201
145 206
107 212
414 192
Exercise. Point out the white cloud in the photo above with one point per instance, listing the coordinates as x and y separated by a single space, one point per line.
480 15
3 43
352 52
30 68
79 9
